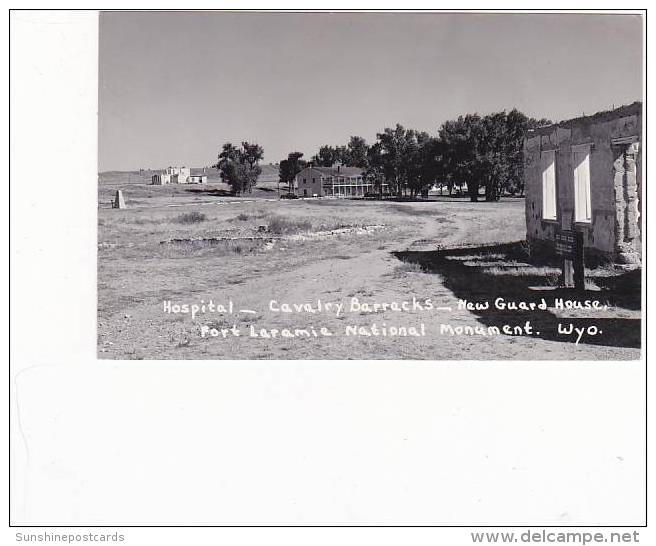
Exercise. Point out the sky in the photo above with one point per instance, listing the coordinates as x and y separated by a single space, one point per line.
174 87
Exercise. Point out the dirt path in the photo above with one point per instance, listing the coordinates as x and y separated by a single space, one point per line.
377 276
359 269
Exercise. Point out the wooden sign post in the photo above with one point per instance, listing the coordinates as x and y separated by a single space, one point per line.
569 245
579 262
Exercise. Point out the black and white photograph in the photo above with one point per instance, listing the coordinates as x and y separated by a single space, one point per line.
328 267
450 186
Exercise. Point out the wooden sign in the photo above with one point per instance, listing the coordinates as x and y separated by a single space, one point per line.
569 245
565 244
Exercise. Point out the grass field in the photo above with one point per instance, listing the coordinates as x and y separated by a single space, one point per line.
192 244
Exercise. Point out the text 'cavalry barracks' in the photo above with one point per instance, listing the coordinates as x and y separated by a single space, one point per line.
585 175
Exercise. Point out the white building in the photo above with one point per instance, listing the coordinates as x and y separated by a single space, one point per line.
173 175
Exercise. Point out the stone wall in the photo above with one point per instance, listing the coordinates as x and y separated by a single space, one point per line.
615 181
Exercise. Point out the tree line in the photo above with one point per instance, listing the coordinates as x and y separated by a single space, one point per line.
473 151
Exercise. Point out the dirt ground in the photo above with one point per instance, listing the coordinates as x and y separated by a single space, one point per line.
195 245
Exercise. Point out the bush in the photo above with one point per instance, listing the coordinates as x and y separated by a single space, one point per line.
194 217
281 225
407 267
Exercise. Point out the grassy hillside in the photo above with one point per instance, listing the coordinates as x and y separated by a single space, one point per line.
269 175
133 182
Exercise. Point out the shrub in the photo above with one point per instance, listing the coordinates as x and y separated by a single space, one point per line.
281 225
407 267
194 217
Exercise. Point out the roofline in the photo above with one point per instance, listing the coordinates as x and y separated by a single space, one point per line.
626 110
332 174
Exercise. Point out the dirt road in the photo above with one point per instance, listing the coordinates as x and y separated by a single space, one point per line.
278 293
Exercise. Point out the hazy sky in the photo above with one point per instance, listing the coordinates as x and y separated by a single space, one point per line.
175 86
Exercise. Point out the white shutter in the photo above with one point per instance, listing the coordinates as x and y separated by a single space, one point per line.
549 185
582 204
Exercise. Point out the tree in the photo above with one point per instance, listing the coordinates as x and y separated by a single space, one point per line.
227 166
374 171
251 155
503 151
394 157
518 125
429 159
289 168
410 162
326 156
493 152
405 159
485 151
460 142
239 167
356 152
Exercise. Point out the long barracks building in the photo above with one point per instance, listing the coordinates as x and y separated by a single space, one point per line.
336 181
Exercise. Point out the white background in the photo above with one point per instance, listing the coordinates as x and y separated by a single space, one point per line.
97 442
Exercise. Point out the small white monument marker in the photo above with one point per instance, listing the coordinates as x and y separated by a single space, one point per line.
119 202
